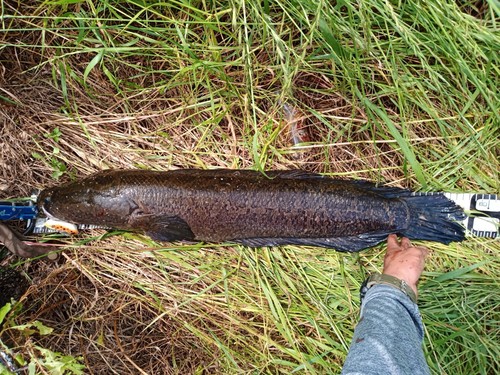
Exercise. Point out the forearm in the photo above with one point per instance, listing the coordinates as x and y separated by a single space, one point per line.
388 337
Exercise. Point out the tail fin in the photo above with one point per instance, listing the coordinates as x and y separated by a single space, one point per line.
434 218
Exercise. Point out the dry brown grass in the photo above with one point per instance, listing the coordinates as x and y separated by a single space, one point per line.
98 311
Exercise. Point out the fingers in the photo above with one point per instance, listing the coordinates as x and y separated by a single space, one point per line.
393 243
405 243
394 246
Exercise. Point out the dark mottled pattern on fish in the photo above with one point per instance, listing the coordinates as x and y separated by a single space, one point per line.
243 206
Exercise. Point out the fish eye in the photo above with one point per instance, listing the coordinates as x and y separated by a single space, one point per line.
46 200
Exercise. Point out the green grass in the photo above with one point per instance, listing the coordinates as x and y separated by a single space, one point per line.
404 93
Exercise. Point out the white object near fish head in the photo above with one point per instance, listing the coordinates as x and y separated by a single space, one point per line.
61 226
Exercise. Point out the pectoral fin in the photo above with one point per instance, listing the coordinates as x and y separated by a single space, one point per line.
162 227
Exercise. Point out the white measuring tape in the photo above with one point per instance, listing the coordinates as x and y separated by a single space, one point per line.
483 212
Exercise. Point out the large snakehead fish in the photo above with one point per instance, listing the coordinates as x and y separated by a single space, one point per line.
253 208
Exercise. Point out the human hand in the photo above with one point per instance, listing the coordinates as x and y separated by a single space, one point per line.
23 249
404 261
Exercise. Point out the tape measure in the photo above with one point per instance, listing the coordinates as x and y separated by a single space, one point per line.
483 212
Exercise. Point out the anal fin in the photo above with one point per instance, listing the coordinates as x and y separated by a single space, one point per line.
346 244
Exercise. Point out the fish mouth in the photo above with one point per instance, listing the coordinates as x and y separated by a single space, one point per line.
47 213
44 199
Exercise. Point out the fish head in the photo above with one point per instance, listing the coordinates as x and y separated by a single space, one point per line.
88 201
61 203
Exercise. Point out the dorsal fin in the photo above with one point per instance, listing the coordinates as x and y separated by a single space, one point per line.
292 174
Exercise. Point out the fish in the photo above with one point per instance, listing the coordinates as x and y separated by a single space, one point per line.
252 208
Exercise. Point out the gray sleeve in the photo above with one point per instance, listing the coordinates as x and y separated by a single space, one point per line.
388 337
